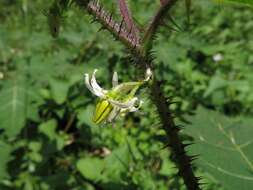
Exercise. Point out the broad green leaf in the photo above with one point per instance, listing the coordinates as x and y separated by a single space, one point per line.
117 163
13 107
225 148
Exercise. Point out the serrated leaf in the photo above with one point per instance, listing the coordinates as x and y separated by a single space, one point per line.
225 146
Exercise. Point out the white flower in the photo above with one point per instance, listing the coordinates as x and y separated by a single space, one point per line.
120 99
218 57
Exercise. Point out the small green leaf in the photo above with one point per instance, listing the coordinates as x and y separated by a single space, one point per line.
48 129
84 116
59 90
215 84
90 168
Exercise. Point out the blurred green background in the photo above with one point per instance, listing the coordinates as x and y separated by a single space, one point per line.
47 138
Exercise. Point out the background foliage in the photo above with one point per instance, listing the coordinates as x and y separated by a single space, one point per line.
47 140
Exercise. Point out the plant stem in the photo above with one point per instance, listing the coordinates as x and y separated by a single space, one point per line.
177 147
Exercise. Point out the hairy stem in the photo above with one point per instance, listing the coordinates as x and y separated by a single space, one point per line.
127 16
118 30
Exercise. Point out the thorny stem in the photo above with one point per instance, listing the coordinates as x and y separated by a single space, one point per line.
141 52
117 29
177 147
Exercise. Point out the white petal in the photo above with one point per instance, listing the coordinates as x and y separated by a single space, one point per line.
87 82
217 57
133 109
96 88
114 113
124 105
115 81
148 74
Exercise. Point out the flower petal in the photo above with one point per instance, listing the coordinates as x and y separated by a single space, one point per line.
114 113
87 83
124 105
115 81
148 75
96 88
133 109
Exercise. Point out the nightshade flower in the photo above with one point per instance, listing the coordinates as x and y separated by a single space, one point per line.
119 100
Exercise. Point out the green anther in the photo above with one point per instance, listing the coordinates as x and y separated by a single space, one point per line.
103 109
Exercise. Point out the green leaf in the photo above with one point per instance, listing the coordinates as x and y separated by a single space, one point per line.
85 115
5 151
60 139
59 89
117 162
48 128
13 107
215 84
245 2
90 168
225 146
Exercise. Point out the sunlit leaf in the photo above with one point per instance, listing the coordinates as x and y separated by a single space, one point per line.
13 107
225 148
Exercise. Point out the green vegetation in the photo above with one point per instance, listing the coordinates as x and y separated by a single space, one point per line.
47 138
